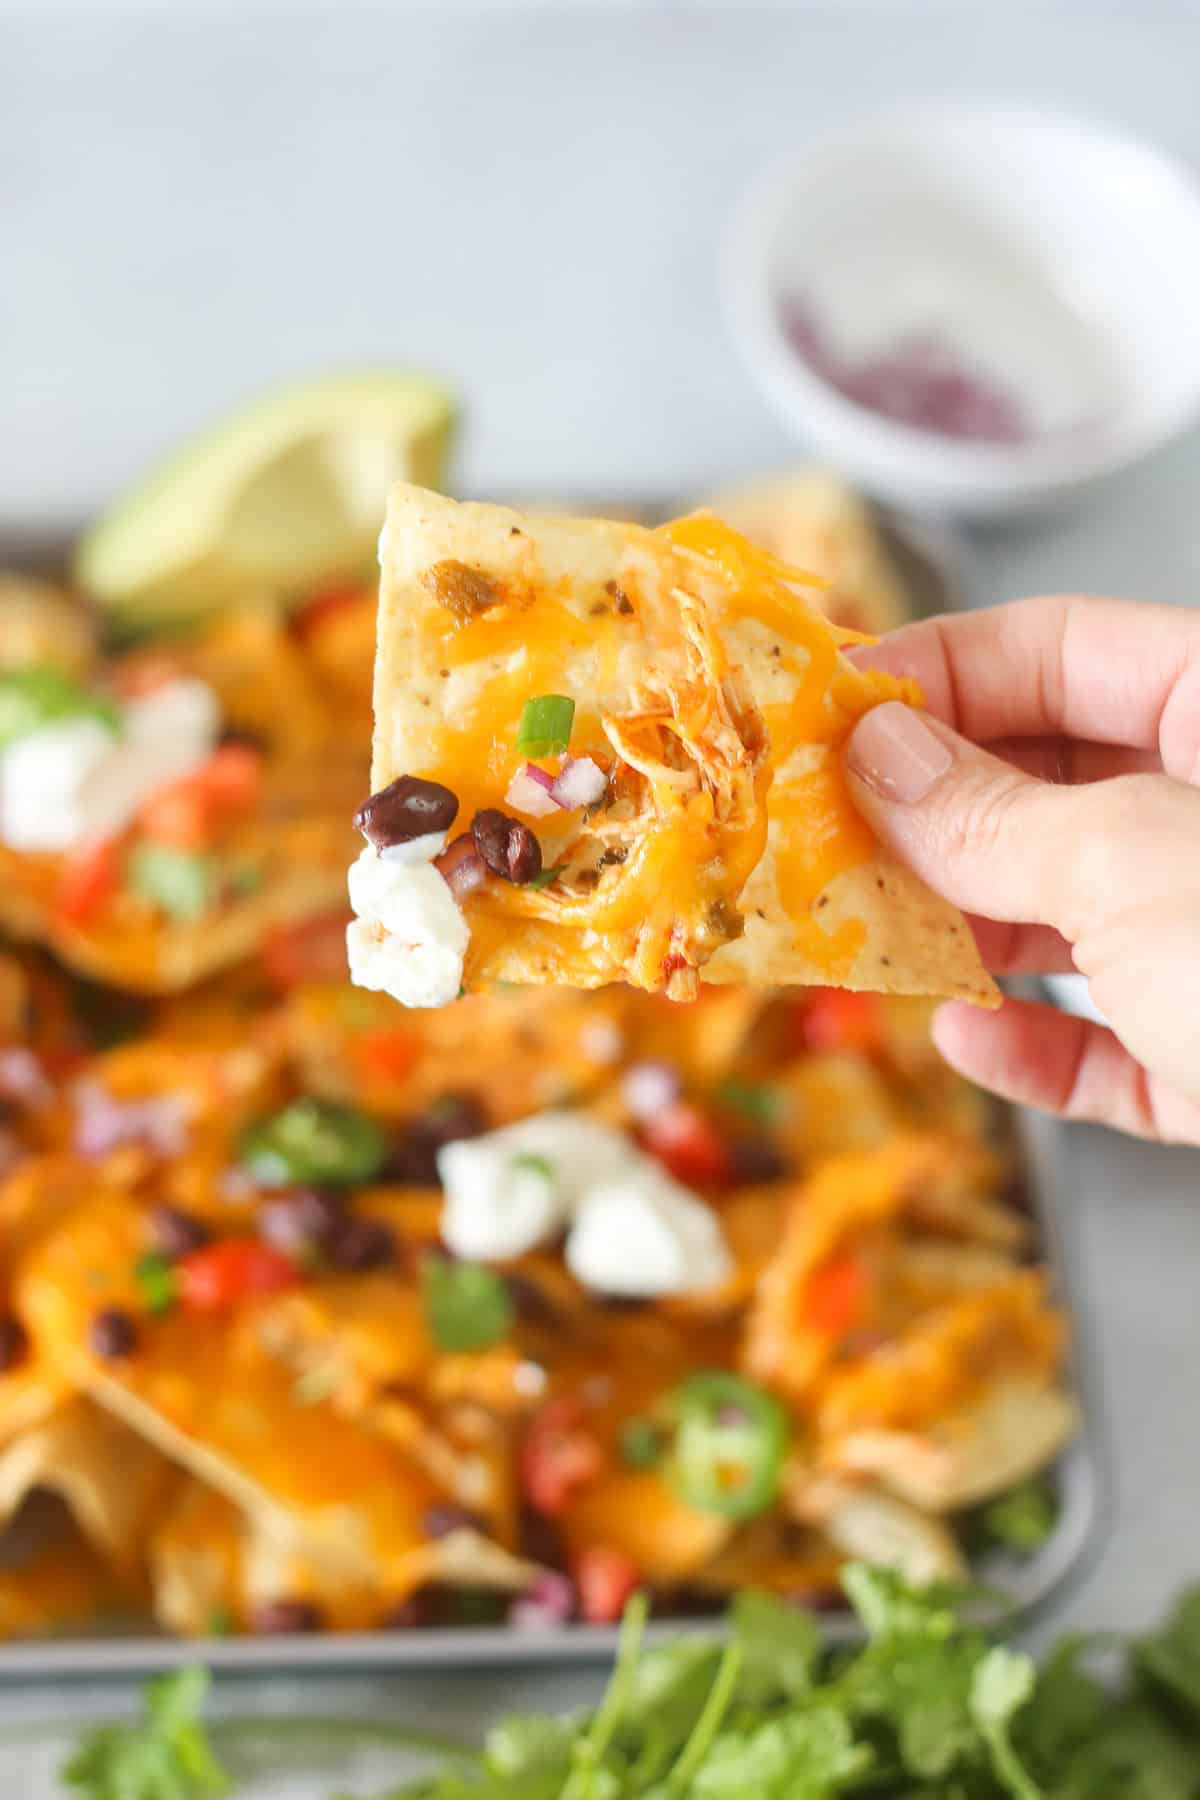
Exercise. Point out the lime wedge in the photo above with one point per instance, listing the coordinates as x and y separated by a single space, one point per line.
278 502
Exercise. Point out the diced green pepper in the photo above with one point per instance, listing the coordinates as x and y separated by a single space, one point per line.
313 1143
545 727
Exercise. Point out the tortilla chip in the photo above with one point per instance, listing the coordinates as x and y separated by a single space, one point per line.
110 1480
677 646
970 1455
812 520
58 1582
874 1527
213 1566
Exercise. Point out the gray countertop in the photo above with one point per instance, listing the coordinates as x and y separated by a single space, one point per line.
201 199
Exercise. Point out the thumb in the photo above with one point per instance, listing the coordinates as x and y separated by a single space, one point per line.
998 842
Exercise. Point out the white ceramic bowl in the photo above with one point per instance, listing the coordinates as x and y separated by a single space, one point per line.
1060 258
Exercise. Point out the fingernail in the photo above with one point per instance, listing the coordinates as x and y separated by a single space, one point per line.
894 751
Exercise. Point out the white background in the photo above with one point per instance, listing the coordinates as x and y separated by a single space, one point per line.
198 199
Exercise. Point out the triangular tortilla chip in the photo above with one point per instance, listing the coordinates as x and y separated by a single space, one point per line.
110 1480
676 646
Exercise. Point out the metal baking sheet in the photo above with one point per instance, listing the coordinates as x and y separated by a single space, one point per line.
935 565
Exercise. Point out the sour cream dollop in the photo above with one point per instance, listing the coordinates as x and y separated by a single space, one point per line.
409 936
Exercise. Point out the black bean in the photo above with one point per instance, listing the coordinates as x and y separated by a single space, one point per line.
509 848
361 1244
407 808
449 1118
112 1334
443 1518
531 1301
757 1160
408 1615
276 1618
14 1342
177 1233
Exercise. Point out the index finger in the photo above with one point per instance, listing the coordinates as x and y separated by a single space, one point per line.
1113 671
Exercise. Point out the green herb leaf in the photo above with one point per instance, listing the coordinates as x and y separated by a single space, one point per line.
166 1757
545 876
545 727
1170 1658
33 698
526 1163
1022 1519
641 1443
1001 1685
157 1282
760 1104
466 1305
183 883
782 1644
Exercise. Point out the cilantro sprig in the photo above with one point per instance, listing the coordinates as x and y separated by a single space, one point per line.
927 1709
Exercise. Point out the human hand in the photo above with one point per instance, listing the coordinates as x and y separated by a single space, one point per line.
1065 820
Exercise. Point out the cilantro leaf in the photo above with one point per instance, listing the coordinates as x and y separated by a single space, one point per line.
1022 1519
780 1644
807 1755
1002 1684
466 1305
1169 1659
165 1757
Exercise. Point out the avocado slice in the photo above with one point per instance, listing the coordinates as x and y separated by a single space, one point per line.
281 500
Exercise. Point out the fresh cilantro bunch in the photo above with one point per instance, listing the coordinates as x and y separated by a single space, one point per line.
926 1709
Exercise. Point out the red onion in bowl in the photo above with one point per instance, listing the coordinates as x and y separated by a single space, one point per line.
461 866
531 791
580 782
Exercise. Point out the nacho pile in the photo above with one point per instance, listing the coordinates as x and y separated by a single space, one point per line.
273 1389
609 753
664 1259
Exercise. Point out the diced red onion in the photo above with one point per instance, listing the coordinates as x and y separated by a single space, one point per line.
103 1123
461 866
649 1088
580 782
531 791
22 1078
918 381
548 1601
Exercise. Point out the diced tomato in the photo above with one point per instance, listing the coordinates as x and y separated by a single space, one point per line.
232 777
187 814
178 816
836 1019
605 1578
230 1270
559 1456
385 1055
322 607
689 1146
312 950
835 1298
88 882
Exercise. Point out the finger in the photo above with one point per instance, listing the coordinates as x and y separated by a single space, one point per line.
1004 845
1069 762
1063 1065
1113 671
1022 949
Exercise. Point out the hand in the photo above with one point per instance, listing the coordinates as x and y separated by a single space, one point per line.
1065 820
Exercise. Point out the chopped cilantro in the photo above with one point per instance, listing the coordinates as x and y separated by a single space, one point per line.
642 1444
760 1104
545 876
527 1164
1022 1519
156 1281
466 1305
183 883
